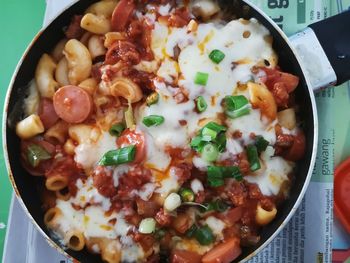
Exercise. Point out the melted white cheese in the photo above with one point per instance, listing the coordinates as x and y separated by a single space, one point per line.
170 132
196 186
168 185
271 177
88 154
88 194
216 225
70 219
97 223
118 171
254 123
156 157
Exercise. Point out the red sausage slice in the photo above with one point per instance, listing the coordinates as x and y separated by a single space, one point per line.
47 113
72 104
121 14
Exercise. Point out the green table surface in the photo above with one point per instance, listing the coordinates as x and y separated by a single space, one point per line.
20 20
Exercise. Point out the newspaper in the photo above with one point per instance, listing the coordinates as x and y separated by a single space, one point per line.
308 236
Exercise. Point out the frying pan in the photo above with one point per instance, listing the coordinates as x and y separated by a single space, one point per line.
326 38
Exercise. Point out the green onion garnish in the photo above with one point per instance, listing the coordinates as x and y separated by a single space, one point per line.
119 156
159 234
236 106
152 99
210 152
220 141
201 78
204 235
253 158
153 120
217 174
211 132
260 143
117 129
191 231
201 104
208 134
217 205
216 56
36 153
215 127
197 143
186 194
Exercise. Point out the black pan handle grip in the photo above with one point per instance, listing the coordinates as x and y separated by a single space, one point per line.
334 35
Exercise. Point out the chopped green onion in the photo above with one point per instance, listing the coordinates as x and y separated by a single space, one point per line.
201 78
208 134
204 235
217 205
220 141
217 174
236 106
261 144
211 132
159 234
215 127
153 120
253 158
197 143
201 104
152 99
147 226
117 129
210 152
129 117
187 195
35 154
216 56
191 231
119 156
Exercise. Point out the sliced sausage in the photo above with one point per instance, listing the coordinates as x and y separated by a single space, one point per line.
122 14
72 104
223 253
47 113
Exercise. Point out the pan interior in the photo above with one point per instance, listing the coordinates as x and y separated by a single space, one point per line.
28 185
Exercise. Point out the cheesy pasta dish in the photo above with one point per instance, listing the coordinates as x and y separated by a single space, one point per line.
161 132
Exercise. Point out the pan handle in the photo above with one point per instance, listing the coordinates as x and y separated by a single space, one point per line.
334 36
324 48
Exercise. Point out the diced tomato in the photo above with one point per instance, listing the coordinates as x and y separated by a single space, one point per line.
122 15
181 223
103 181
147 208
146 241
163 218
275 76
133 180
297 150
182 171
47 113
179 18
184 256
122 50
129 137
225 252
232 216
